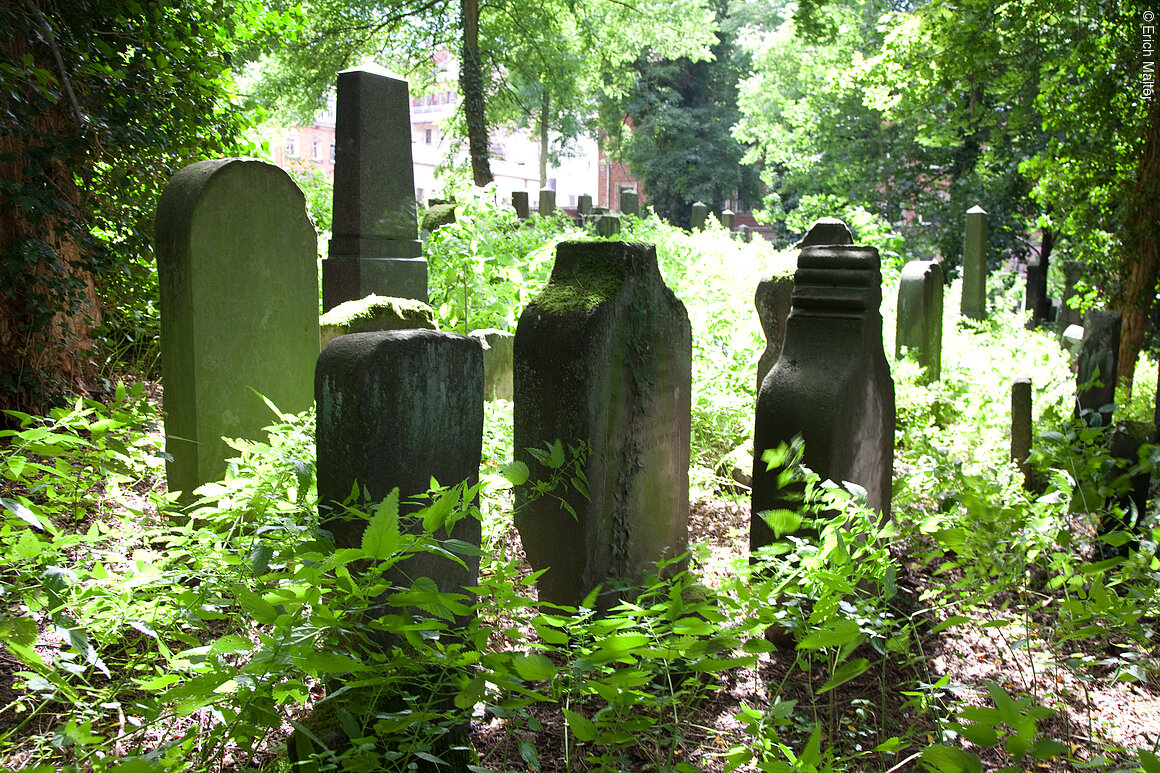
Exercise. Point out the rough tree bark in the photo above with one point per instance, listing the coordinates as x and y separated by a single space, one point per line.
474 104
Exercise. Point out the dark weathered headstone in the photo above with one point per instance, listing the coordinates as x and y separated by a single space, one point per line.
375 248
773 300
1072 271
698 216
1021 426
375 313
584 204
498 348
920 314
826 230
974 299
520 204
745 233
629 203
727 218
608 225
831 385
547 202
1095 376
1037 300
237 266
396 409
604 357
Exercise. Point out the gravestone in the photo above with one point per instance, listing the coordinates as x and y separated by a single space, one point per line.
498 347
238 273
826 230
727 218
608 225
396 409
547 202
374 249
1072 340
520 204
1021 427
1037 301
629 203
372 313
603 356
831 385
583 210
773 302
698 216
974 299
920 314
1072 272
745 234
1095 376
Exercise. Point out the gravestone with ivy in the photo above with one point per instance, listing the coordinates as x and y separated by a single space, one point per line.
228 232
831 385
603 359
1095 375
374 249
920 315
974 298
396 409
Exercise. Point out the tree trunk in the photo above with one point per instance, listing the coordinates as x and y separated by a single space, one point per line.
1141 240
545 104
474 104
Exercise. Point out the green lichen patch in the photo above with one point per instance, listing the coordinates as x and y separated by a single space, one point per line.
588 283
410 313
437 216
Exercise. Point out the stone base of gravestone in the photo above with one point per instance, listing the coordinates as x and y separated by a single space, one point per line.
396 409
352 278
920 315
831 386
603 357
375 313
498 352
773 300
1096 364
238 273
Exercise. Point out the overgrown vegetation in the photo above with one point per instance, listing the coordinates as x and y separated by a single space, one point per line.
140 638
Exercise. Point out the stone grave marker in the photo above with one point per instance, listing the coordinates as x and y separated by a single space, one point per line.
1072 272
372 313
1037 300
745 233
238 273
498 350
920 314
603 356
831 385
698 216
773 302
520 204
547 202
1021 427
608 225
1095 376
629 203
974 299
727 218
583 210
375 248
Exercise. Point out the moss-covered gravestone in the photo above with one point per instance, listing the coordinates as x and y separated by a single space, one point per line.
975 249
604 357
831 385
920 315
236 262
375 247
373 313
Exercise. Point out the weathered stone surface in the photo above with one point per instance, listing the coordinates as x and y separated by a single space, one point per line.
1036 299
584 204
629 203
603 356
608 225
831 385
773 300
1095 376
521 205
498 352
1072 339
1021 426
375 313
374 249
698 216
826 230
920 315
974 299
547 202
237 266
1072 272
396 409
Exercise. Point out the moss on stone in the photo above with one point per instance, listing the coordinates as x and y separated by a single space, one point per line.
437 216
590 283
375 312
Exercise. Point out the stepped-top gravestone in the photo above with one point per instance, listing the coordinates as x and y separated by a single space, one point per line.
629 203
604 357
698 216
1096 365
920 314
231 232
547 202
396 409
831 385
974 299
374 249
520 204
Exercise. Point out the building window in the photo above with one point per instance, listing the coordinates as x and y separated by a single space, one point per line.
427 136
291 146
315 149
332 152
